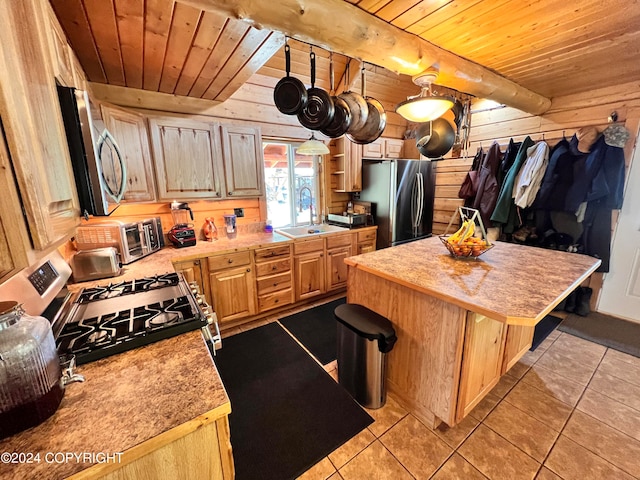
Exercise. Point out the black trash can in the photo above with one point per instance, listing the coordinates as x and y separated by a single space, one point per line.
364 338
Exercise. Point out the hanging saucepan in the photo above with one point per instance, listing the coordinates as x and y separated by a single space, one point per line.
341 115
318 112
376 120
434 139
290 94
357 105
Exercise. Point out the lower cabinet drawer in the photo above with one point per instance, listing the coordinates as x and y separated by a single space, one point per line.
274 283
228 260
275 266
276 299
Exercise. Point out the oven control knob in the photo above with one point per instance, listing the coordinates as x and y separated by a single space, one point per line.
206 309
195 288
212 318
200 299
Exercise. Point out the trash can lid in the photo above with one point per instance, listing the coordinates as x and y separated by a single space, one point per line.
367 324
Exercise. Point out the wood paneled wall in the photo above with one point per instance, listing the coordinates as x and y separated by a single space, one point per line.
567 115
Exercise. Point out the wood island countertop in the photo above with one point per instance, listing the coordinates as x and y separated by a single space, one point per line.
511 283
161 391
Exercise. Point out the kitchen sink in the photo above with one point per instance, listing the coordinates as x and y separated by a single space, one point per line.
309 230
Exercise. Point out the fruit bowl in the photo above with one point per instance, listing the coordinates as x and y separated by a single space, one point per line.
471 248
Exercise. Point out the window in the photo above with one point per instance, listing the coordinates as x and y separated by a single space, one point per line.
291 184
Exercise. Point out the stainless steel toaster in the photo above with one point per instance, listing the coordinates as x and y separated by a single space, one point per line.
96 263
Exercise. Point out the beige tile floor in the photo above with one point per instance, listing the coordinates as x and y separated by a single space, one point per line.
568 410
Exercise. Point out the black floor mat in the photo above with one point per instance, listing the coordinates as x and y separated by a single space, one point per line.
287 413
612 332
316 329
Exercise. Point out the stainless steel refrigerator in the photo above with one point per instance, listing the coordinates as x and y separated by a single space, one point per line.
403 192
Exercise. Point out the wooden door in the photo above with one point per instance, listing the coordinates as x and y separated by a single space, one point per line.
518 342
59 50
14 241
130 132
233 293
373 149
353 166
243 161
195 271
481 361
336 268
33 125
188 158
393 148
309 275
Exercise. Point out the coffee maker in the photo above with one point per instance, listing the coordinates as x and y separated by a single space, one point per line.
182 233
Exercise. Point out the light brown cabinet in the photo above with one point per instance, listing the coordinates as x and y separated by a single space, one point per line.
338 248
206 160
130 132
346 165
33 126
481 360
383 148
14 240
309 268
242 158
187 158
60 51
518 342
274 277
366 241
196 271
232 284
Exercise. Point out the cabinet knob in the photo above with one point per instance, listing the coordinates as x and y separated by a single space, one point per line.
197 262
276 301
229 193
274 267
275 284
217 194
248 269
230 260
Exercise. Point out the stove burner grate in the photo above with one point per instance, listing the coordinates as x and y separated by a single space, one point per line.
97 337
101 292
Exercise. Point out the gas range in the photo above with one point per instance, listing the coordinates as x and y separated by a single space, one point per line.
108 319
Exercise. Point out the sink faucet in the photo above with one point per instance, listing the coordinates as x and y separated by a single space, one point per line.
310 203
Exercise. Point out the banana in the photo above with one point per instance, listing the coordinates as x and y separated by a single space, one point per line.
455 238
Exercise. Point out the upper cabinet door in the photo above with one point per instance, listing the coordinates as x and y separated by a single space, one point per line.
243 161
33 124
130 132
60 52
187 158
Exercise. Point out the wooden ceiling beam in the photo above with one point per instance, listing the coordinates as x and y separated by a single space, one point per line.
344 28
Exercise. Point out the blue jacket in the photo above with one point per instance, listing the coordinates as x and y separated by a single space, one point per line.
598 176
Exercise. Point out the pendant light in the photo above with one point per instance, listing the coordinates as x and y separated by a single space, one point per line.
312 147
425 106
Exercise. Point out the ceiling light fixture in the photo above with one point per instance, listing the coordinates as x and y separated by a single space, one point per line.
312 147
425 106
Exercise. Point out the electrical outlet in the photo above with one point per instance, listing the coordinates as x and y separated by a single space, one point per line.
239 212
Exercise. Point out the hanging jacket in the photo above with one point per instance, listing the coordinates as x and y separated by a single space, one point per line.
529 178
505 213
487 193
557 178
469 186
507 160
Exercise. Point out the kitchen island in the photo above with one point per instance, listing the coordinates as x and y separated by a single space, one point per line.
461 323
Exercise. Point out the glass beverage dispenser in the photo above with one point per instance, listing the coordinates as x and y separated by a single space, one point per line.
230 225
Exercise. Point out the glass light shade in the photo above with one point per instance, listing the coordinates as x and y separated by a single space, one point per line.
312 147
424 109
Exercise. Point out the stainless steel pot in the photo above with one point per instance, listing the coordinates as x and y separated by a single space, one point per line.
357 106
376 119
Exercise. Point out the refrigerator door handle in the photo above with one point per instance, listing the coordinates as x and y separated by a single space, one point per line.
418 202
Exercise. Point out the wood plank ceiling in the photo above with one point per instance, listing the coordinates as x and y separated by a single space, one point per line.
549 47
